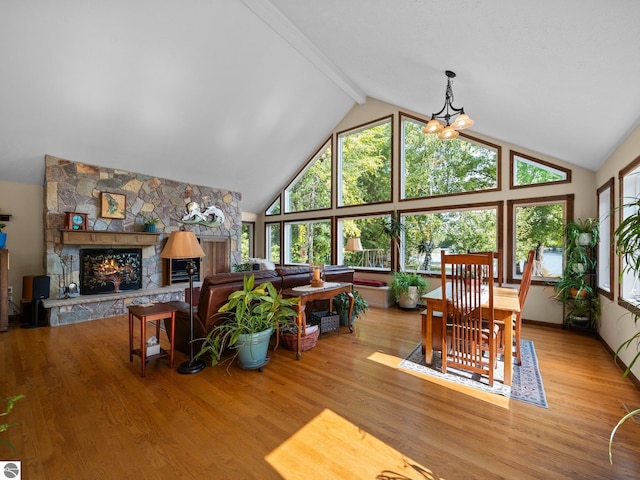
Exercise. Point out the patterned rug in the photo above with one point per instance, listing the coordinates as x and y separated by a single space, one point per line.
527 382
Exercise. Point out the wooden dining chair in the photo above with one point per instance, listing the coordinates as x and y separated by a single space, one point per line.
497 256
468 308
525 283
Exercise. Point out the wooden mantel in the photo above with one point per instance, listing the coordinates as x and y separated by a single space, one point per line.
103 237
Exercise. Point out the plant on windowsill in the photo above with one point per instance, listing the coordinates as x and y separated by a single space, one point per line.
576 288
250 317
341 304
407 288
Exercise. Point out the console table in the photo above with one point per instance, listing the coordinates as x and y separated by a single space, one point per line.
309 294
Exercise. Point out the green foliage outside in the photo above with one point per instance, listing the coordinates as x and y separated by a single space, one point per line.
538 223
310 242
244 242
312 190
436 167
366 165
528 173
273 253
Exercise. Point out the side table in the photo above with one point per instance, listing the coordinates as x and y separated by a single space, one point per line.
155 312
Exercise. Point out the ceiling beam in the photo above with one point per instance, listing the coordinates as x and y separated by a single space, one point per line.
270 15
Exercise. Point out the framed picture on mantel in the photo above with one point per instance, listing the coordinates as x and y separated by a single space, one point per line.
114 205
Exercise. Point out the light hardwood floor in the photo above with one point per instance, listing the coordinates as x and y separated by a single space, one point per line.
344 411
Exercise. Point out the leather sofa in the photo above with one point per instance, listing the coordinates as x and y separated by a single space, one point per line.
215 291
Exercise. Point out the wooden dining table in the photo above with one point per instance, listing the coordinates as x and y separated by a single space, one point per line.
505 305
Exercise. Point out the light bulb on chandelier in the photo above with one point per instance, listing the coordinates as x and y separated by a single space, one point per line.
449 130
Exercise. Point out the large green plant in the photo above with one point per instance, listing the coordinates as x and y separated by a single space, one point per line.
403 280
253 309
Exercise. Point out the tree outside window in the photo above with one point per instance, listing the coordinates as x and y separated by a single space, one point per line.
307 242
311 190
432 167
538 224
376 253
455 231
272 237
365 165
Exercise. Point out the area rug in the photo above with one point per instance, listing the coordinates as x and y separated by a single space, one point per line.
526 385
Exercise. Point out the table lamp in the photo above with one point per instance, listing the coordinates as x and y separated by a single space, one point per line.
354 245
184 245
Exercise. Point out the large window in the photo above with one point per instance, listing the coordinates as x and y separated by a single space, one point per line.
527 171
273 242
247 240
364 164
433 167
311 189
537 224
629 194
458 230
373 250
307 241
605 247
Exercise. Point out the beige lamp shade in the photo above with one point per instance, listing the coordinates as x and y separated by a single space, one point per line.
433 126
182 244
354 245
462 121
448 133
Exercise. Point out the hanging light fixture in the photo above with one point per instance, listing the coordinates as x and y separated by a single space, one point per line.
450 130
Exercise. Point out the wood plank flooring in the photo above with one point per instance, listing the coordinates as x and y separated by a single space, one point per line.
344 411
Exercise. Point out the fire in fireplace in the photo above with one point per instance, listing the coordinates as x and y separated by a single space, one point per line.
110 270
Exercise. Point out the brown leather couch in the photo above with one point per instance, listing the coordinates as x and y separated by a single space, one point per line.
215 291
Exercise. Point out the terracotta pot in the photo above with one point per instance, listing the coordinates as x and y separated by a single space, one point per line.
574 293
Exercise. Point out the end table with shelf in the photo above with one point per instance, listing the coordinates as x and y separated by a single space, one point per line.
151 313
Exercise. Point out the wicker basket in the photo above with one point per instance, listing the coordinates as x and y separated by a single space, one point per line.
307 342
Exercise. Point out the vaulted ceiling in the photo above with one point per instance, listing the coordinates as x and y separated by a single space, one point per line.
238 93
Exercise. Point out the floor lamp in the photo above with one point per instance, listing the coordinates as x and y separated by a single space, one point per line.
184 245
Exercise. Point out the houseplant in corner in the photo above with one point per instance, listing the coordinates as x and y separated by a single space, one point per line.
407 288
341 304
250 317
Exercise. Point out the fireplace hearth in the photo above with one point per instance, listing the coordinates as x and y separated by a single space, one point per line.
110 270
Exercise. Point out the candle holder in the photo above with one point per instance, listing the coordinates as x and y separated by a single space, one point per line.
316 274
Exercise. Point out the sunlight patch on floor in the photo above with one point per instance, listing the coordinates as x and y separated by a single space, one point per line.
353 453
492 398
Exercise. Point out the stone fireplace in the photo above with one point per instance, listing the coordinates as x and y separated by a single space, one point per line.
105 270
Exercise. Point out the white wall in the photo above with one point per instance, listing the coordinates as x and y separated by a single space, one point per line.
24 231
616 323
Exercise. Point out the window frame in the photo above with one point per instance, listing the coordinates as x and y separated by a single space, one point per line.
602 190
629 169
339 237
338 160
252 238
267 241
284 204
285 249
568 200
512 170
272 204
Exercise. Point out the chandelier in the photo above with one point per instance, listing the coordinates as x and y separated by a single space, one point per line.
450 130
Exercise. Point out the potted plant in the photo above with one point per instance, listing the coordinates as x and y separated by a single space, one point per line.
341 305
407 288
150 223
250 317
3 236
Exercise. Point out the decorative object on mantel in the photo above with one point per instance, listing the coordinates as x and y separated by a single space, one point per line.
462 121
212 216
150 223
3 236
75 221
184 244
114 205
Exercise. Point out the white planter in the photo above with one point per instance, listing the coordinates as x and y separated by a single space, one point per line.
410 299
584 239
